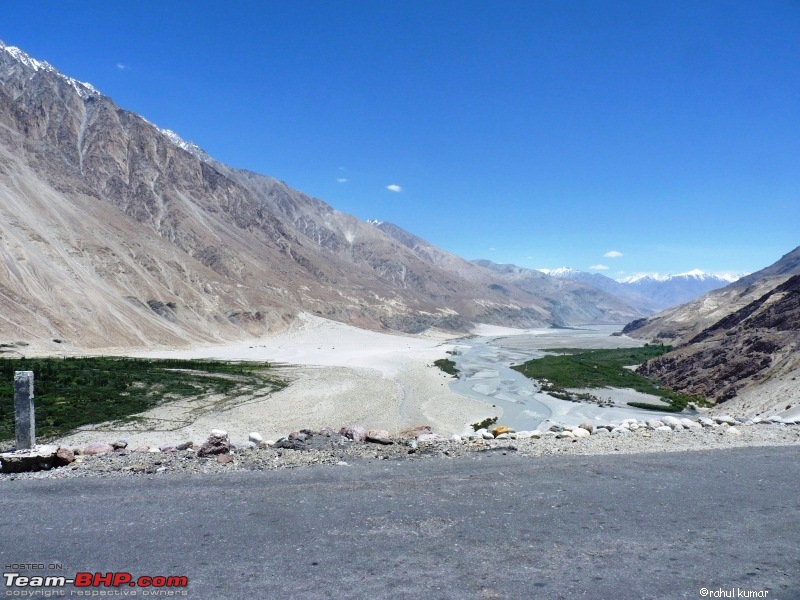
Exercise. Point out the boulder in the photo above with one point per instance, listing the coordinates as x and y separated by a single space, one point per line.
216 444
601 431
255 437
185 446
732 431
565 434
224 459
672 422
487 435
503 436
720 419
380 436
689 424
354 432
39 458
706 421
64 457
580 432
621 430
587 426
501 429
119 444
654 423
98 448
413 432
664 429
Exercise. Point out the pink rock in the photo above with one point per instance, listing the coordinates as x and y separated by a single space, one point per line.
378 436
98 448
353 432
64 456
414 431
429 437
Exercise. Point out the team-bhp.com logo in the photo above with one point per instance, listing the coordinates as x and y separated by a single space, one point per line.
96 580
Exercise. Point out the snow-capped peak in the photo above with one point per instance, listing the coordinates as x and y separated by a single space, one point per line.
696 274
559 272
375 222
84 89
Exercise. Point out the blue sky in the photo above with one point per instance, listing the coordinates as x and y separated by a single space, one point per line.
540 133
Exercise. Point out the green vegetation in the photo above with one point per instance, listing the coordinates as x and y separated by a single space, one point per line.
70 392
447 365
485 424
579 368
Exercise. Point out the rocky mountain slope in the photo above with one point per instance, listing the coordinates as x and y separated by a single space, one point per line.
758 342
739 345
116 233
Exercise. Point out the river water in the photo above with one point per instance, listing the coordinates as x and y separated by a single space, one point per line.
484 363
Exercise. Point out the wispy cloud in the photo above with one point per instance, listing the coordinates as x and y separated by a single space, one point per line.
598 268
394 188
122 67
613 254
342 180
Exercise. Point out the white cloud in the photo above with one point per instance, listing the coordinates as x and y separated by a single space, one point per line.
492 249
613 254
598 268
394 188
342 180
122 67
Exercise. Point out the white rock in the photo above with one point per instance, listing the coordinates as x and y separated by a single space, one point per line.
756 420
455 438
706 421
732 430
601 431
219 433
653 423
621 430
503 436
672 422
689 424
664 428
633 426
513 435
255 437
629 422
487 435
565 434
772 419
549 434
570 428
580 432
725 419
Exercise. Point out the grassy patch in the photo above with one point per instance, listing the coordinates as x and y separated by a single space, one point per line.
579 368
70 392
447 365
485 424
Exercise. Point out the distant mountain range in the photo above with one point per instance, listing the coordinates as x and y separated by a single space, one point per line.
114 232
650 292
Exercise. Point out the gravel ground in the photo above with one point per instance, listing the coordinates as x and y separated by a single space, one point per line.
337 450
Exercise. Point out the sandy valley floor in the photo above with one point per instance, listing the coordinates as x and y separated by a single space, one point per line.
340 375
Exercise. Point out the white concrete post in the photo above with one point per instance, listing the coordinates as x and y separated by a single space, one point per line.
23 410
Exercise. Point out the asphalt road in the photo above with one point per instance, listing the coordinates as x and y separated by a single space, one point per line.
610 527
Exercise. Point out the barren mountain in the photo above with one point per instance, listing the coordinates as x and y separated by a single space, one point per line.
116 233
739 345
755 344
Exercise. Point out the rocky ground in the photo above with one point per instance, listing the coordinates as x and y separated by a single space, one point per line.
351 444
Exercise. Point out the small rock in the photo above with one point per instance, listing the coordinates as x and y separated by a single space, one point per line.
689 424
248 445
503 436
455 438
663 428
224 459
267 444
142 449
217 443
587 426
185 446
154 450
725 419
98 448
255 437
549 434
565 434
429 437
622 430
168 448
653 423
580 432
327 431
342 463
732 431
601 431
771 419
487 435
119 444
